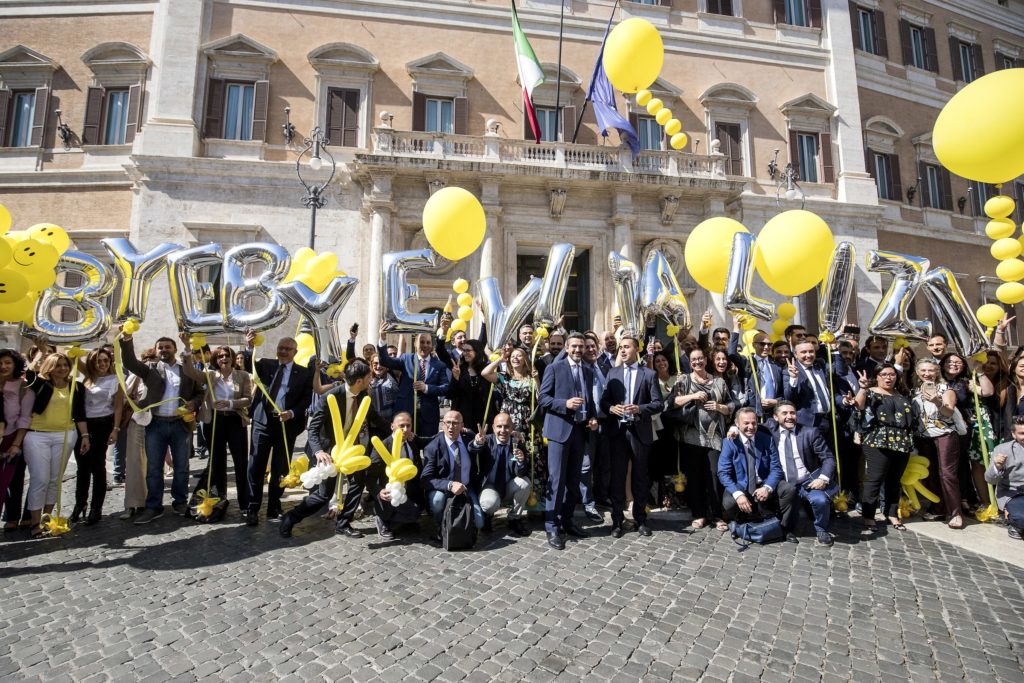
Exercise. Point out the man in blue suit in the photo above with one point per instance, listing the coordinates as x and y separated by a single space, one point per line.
630 399
764 380
751 473
449 469
567 397
808 388
424 381
808 465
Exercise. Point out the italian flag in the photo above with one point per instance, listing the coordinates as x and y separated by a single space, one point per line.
530 73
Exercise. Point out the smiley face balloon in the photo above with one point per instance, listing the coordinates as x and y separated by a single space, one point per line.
48 233
13 286
36 262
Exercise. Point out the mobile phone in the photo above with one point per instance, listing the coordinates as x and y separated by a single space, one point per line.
852 330
354 329
928 388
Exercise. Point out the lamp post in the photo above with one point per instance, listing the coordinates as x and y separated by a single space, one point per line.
315 145
785 178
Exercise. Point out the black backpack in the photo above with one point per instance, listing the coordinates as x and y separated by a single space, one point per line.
457 528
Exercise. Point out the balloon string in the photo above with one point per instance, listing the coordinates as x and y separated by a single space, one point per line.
487 408
263 389
415 378
757 386
533 407
835 431
119 371
981 435
213 436
64 454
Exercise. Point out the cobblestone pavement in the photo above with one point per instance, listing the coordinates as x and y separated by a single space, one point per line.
175 600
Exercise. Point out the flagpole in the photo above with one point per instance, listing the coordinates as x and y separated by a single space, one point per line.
586 102
558 83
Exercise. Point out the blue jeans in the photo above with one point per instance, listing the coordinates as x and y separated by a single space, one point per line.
120 448
587 482
160 435
1015 512
439 498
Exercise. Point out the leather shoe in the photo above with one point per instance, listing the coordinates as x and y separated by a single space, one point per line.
556 541
644 530
573 530
617 531
383 531
252 518
285 528
437 540
824 538
518 528
791 537
348 531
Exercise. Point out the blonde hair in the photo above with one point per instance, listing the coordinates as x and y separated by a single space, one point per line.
50 363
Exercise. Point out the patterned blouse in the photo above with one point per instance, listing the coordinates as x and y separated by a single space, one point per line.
891 422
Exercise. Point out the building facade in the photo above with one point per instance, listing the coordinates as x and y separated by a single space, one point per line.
173 117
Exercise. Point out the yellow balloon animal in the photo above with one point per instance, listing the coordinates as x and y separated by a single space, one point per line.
399 470
296 468
348 456
915 473
313 270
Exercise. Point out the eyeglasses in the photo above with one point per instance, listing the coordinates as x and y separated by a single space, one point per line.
698 360
767 343
887 375
449 423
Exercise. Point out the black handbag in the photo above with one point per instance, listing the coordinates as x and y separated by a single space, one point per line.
457 528
762 533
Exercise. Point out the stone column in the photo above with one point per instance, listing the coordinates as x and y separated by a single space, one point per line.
178 33
494 239
622 220
378 205
854 184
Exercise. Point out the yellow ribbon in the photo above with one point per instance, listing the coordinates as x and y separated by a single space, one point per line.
122 382
205 507
992 511
533 407
266 394
840 502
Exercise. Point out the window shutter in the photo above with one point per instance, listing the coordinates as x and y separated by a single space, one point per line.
931 51
41 115
814 10
213 125
460 110
5 103
908 49
260 103
979 61
827 169
869 161
527 131
954 53
895 183
350 131
881 44
725 7
134 113
419 111
794 152
855 24
665 3
93 116
335 116
713 7
922 186
999 61
947 191
780 11
588 129
568 122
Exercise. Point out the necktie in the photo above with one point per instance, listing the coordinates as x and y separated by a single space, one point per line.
629 384
819 383
423 369
790 455
457 462
751 468
767 379
275 386
578 386
350 416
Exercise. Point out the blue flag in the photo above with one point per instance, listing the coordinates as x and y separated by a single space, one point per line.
602 97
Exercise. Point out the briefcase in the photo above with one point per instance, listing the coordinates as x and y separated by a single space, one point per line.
457 528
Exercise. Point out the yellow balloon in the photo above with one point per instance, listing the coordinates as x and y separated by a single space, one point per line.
465 299
708 249
673 127
786 310
775 337
1005 248
654 106
999 228
678 141
454 223
465 313
13 286
989 315
1010 293
6 252
5 219
643 97
779 326
1010 270
663 116
978 134
793 251
49 233
999 206
748 323
298 265
633 55
749 336
460 286
305 348
459 325
21 311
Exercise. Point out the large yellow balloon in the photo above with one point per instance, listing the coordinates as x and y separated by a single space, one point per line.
708 249
989 315
1010 293
793 251
633 55
5 219
978 134
454 223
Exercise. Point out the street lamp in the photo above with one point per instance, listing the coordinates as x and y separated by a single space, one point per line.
787 178
315 145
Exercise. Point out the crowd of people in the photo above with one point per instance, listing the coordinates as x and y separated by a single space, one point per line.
555 420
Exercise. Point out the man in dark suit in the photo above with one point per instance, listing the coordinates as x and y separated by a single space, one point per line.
751 473
450 469
567 397
606 356
505 473
322 439
424 381
556 342
168 386
807 387
630 399
389 515
808 465
767 389
275 425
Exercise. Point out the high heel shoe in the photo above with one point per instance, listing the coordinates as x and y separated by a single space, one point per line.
94 516
77 513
